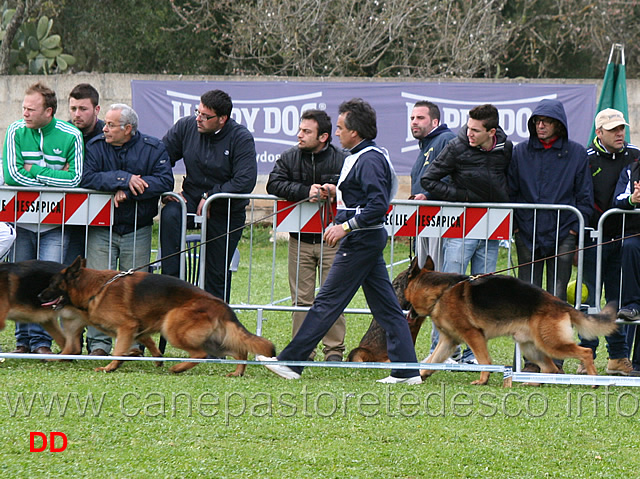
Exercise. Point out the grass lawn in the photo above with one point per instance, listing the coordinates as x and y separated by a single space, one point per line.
334 423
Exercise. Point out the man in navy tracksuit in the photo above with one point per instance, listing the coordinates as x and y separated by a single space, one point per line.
366 186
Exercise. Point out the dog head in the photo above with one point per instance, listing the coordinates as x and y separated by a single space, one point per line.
420 290
401 283
56 295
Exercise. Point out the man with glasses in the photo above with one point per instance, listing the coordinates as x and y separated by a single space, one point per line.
548 168
137 169
220 157
40 151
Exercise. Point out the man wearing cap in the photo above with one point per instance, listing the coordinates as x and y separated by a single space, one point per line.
608 155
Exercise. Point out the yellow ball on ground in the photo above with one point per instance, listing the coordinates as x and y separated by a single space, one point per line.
571 292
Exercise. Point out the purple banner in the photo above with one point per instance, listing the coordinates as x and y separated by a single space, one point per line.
271 109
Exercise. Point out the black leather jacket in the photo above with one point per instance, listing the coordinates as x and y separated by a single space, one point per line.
477 176
296 170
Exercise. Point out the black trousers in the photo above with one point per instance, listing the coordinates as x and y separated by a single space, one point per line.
219 251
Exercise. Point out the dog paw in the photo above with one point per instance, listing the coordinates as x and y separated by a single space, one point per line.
158 364
479 382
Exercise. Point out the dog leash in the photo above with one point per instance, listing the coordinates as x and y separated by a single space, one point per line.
574 251
321 202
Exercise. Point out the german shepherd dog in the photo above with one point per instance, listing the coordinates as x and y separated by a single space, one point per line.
472 311
373 345
134 306
20 284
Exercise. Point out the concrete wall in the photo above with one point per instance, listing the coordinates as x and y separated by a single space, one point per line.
116 88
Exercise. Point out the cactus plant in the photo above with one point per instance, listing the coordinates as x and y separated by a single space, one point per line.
34 49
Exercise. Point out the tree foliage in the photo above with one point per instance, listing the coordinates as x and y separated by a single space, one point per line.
430 38
373 38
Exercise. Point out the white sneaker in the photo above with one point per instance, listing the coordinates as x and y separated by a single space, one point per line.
393 380
446 361
282 371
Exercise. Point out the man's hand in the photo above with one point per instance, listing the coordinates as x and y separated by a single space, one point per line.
419 197
330 188
200 206
119 197
137 184
166 199
317 192
635 196
334 234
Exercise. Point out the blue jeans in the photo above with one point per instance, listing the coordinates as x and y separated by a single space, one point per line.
483 255
127 251
52 247
610 277
458 253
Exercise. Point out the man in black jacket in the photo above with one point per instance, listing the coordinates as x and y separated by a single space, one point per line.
476 162
300 173
220 157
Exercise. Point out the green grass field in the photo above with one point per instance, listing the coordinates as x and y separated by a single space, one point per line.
334 423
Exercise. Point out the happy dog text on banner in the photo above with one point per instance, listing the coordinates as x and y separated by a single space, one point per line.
271 109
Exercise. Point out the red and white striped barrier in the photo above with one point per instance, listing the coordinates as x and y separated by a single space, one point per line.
409 220
449 222
303 218
55 208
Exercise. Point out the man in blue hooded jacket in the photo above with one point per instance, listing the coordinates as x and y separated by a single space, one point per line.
549 168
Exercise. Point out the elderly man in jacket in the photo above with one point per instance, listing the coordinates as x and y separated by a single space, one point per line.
137 169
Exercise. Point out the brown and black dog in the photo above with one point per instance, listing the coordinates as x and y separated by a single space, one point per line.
472 311
134 306
20 284
373 345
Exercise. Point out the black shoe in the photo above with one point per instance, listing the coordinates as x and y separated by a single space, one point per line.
333 358
629 314
530 368
98 352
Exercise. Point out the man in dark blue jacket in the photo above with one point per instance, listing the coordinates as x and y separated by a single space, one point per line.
548 168
433 137
137 169
220 157
366 186
627 197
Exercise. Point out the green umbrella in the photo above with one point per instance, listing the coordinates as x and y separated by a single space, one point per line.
614 87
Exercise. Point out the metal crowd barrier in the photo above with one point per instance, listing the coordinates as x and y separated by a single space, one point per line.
406 218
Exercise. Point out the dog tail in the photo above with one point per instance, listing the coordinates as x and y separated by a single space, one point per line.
590 326
240 339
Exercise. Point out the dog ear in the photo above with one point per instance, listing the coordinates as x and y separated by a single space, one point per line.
78 263
429 264
414 269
